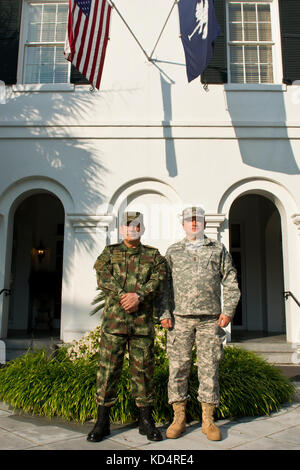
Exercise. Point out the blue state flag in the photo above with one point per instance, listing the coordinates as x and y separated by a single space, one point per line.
199 29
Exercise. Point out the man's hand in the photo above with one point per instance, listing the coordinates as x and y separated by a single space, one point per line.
166 323
224 320
130 302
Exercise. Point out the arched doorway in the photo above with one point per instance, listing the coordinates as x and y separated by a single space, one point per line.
161 224
256 247
36 266
160 206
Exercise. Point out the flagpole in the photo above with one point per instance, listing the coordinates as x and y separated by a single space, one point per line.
175 2
128 27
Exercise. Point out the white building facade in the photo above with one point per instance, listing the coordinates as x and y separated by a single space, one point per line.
73 160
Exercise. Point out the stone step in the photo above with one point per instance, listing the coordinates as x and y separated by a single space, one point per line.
15 347
264 346
275 353
26 343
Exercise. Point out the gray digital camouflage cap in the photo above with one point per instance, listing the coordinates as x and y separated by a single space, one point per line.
132 216
190 212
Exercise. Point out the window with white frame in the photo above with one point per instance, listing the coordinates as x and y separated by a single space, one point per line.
45 31
250 41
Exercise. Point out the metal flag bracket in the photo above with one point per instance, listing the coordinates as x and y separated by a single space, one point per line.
149 58
163 28
205 86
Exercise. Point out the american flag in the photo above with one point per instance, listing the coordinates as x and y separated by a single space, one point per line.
87 36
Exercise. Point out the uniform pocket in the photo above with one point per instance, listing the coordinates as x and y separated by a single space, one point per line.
171 338
210 350
214 261
219 348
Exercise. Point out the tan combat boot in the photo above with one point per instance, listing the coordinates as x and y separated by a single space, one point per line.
209 428
178 425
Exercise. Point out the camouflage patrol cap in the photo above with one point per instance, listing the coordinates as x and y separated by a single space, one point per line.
194 211
132 216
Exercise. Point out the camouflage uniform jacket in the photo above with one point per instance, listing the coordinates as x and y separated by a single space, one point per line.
195 279
121 270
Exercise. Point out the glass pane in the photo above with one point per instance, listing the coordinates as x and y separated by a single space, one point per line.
264 13
48 32
46 74
252 75
32 74
264 32
60 32
235 13
62 14
266 74
35 13
47 55
236 54
34 27
236 33
49 14
265 54
250 32
249 12
251 56
33 55
34 32
237 73
60 58
61 73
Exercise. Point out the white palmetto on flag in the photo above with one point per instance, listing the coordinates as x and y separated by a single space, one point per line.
199 29
201 15
87 36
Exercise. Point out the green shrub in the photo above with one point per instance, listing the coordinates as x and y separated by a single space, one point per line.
50 386
58 386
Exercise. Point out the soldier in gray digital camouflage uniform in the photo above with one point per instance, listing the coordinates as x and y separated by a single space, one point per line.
193 313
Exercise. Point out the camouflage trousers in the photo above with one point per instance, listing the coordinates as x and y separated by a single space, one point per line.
141 368
204 332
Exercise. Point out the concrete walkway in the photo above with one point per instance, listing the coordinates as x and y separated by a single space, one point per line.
280 431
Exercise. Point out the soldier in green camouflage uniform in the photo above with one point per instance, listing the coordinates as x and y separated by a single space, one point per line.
198 267
130 274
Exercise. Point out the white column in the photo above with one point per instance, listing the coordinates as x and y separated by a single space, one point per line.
296 219
89 239
3 319
213 224
292 308
5 267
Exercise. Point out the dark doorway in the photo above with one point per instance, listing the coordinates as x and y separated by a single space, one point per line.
36 268
256 248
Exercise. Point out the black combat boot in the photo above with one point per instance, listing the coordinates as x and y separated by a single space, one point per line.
147 425
101 428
